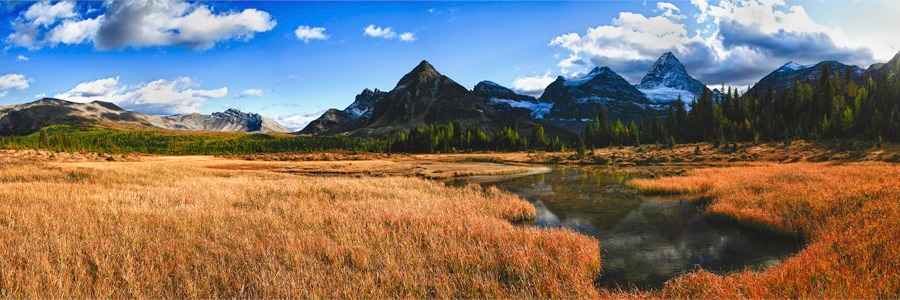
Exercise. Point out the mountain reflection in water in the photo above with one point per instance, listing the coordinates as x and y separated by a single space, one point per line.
644 241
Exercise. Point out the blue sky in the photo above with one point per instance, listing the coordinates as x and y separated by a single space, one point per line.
292 60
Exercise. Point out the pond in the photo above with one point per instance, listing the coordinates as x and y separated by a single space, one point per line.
644 241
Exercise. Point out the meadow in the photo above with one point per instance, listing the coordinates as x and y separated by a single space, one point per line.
173 227
82 225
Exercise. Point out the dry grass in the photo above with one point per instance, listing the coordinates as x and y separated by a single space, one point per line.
849 214
174 228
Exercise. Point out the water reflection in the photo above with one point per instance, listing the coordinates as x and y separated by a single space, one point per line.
644 241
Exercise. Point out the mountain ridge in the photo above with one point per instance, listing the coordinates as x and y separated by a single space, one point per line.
32 116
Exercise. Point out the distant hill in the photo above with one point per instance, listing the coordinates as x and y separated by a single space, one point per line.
30 117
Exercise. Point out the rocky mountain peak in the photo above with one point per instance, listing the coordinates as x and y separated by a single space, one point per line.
491 90
666 69
423 72
667 79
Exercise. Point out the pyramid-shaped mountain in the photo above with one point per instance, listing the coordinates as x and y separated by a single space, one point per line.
668 80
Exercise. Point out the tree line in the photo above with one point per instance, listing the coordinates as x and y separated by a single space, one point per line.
833 106
66 138
455 137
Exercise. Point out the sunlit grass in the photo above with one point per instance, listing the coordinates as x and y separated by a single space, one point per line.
849 215
175 228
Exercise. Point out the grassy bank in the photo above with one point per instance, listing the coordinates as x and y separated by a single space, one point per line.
849 215
175 228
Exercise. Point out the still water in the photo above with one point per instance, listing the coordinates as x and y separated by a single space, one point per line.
644 241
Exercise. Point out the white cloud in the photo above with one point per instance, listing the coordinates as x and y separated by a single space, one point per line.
160 97
22 58
296 122
387 33
14 81
306 33
378 32
40 96
532 85
743 41
42 13
407 37
669 10
73 32
136 24
251 93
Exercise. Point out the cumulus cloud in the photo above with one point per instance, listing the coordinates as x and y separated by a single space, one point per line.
73 32
532 85
744 41
306 33
136 24
296 122
407 37
251 93
14 81
22 58
159 97
387 33
44 14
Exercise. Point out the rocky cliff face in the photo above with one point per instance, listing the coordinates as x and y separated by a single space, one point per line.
229 120
355 116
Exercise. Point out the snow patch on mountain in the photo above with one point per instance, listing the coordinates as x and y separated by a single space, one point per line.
668 94
595 99
538 109
581 80
792 66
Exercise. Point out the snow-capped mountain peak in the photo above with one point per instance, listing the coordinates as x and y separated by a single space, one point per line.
668 79
580 80
792 66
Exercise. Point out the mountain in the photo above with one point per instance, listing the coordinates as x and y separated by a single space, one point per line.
31 117
423 97
506 100
783 78
667 79
229 120
491 90
891 67
578 99
351 118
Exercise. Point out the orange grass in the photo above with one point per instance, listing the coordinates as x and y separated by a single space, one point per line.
178 229
849 215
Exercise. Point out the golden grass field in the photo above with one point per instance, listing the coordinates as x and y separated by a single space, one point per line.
172 227
80 226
